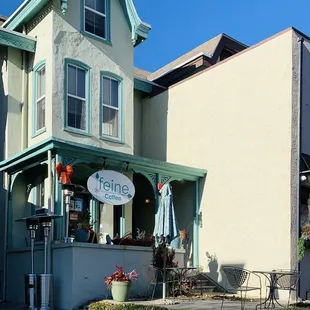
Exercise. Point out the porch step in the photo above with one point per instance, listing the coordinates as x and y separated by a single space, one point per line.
206 284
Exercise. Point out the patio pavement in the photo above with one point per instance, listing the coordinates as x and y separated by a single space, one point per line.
196 304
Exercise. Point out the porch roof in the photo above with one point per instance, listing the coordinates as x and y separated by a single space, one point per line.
38 152
18 40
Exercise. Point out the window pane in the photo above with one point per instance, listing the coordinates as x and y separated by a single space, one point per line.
81 83
89 21
76 113
100 26
110 122
90 3
40 114
100 6
41 83
114 93
71 80
106 91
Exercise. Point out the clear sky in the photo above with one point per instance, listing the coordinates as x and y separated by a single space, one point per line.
180 25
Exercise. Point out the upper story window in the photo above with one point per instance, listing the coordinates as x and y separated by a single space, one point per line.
96 18
39 95
111 106
77 95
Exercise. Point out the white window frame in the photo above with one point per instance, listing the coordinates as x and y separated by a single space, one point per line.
76 97
118 108
98 13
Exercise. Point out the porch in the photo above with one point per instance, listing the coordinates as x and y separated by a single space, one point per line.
79 268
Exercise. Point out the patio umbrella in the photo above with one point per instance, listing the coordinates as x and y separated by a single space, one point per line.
166 227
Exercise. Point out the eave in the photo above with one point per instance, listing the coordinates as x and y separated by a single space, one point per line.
24 13
39 151
139 29
17 40
146 86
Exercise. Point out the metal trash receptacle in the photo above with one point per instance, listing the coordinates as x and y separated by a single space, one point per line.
30 290
44 291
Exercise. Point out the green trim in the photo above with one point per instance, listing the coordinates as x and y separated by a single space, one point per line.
121 122
26 11
17 40
139 29
143 86
96 153
37 68
81 65
30 8
106 40
64 6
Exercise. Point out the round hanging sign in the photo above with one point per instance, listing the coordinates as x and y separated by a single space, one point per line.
111 187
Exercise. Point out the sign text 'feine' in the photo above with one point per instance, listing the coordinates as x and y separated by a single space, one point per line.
111 187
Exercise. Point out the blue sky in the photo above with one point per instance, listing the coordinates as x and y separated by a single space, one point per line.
180 25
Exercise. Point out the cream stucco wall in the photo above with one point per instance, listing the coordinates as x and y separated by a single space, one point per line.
235 121
68 42
41 28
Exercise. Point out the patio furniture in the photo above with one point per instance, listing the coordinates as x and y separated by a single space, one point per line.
184 278
238 280
278 280
156 276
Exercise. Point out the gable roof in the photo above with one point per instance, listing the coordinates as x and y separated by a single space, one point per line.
29 8
209 49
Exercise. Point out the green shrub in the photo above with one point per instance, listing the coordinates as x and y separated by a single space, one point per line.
101 305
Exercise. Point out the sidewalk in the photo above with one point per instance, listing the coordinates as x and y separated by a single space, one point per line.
197 304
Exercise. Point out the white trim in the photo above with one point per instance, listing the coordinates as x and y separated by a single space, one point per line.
94 11
76 97
110 106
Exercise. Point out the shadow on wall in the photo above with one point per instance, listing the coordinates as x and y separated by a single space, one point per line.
154 127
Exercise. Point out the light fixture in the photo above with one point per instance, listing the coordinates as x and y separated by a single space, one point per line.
147 200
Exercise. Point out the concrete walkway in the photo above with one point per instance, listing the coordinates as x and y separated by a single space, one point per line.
197 304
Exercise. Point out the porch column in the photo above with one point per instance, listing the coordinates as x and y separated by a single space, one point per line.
196 225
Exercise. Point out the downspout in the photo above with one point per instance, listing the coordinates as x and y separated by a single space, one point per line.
8 193
299 148
50 206
24 133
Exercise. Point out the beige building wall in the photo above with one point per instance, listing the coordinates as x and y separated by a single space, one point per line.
235 121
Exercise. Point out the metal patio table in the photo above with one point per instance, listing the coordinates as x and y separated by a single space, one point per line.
272 277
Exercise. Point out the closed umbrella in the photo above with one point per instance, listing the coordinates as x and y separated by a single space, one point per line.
166 227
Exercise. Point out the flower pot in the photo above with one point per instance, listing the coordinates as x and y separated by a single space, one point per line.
81 235
120 291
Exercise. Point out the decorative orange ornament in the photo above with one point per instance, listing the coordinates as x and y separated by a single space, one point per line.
64 173
159 186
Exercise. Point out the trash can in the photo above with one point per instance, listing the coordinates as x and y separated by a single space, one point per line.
44 291
31 290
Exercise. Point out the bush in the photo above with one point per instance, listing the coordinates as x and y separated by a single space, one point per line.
101 305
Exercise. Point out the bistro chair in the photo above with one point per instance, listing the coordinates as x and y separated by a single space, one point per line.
155 276
288 281
238 280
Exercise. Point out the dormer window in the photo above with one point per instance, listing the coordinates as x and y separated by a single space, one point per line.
96 18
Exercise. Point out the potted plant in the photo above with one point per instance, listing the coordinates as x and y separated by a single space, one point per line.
119 283
304 241
84 227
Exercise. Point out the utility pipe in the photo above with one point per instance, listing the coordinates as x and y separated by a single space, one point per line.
6 213
25 86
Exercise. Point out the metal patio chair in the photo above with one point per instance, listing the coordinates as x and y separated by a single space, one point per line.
190 280
238 280
155 276
288 281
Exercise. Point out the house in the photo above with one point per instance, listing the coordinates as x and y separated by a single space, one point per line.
68 95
